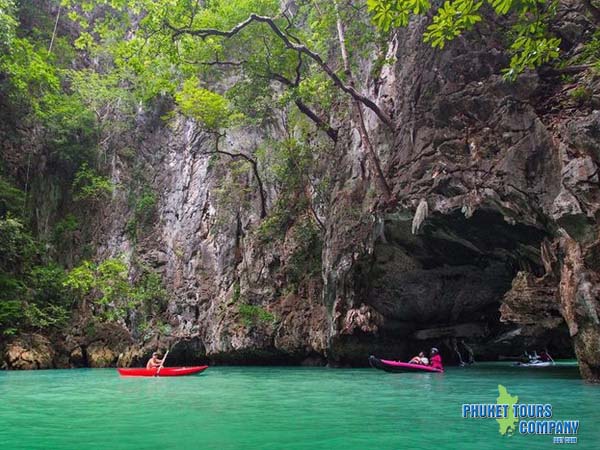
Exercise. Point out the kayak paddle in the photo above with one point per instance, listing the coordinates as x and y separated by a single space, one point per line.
161 364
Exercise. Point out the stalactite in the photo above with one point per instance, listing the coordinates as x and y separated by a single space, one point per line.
420 216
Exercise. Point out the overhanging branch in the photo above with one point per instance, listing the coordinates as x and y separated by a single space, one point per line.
321 123
300 48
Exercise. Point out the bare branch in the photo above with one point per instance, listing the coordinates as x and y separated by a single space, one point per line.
298 69
321 124
253 163
218 63
287 28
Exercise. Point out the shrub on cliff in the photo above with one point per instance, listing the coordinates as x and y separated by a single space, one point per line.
106 290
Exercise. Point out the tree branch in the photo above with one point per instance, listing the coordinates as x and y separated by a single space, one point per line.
305 109
321 124
253 163
298 70
218 63
300 48
380 180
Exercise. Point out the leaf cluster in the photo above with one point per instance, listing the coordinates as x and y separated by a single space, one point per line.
107 284
31 293
252 315
8 23
91 186
532 44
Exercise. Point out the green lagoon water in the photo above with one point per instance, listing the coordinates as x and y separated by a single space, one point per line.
283 408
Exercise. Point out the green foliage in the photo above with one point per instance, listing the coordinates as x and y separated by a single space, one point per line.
205 106
41 317
532 43
49 303
36 96
581 95
108 286
68 224
11 315
317 86
236 292
31 296
108 281
47 283
34 89
157 60
17 247
144 209
149 292
531 49
289 163
106 94
591 51
252 315
388 14
30 73
89 185
131 229
34 299
451 20
145 206
70 128
253 99
12 200
276 223
8 23
305 260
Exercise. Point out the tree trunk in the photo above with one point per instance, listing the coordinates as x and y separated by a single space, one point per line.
380 180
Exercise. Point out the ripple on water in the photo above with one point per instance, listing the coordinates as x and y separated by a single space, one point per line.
281 408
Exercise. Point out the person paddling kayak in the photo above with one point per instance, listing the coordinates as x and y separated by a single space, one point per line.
420 359
154 362
435 360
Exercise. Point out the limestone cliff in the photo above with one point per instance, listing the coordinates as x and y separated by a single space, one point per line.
489 246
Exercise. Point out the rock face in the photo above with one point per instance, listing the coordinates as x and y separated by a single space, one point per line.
489 247
27 352
509 183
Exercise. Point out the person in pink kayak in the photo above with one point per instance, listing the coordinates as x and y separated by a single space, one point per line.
155 361
435 359
420 359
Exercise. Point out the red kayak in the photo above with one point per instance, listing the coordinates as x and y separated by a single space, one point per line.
397 366
164 372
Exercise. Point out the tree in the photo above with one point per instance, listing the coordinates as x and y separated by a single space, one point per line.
180 44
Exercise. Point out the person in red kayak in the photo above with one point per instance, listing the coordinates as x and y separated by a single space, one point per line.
435 360
155 361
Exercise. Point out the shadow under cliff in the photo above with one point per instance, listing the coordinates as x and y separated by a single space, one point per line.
443 287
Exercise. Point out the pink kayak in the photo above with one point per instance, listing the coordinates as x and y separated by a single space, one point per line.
397 366
164 372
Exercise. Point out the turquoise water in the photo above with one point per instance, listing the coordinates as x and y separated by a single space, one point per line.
283 408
